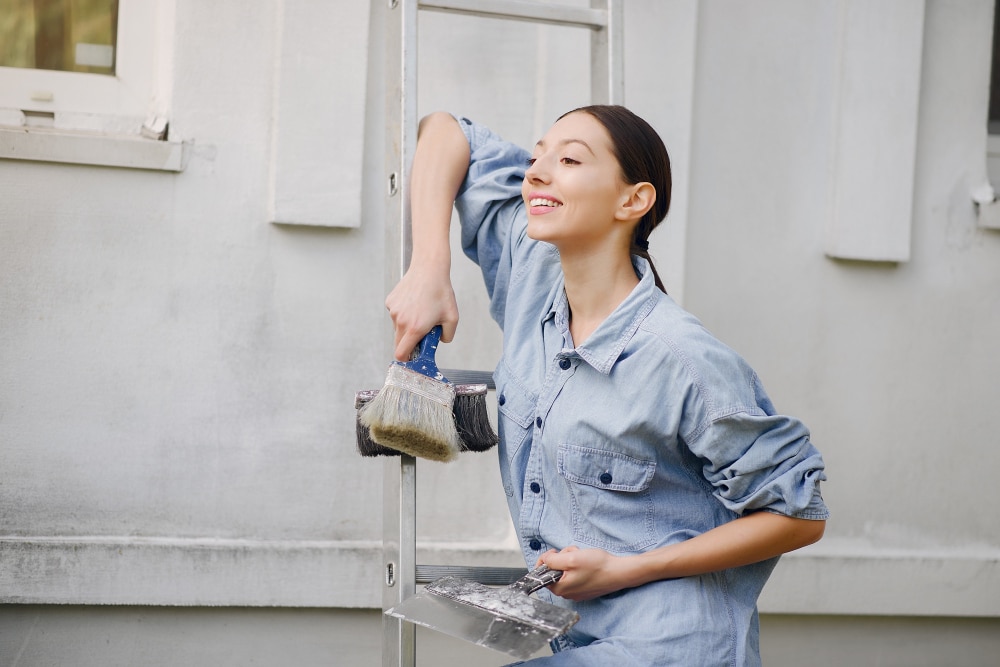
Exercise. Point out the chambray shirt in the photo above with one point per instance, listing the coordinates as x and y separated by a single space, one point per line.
648 433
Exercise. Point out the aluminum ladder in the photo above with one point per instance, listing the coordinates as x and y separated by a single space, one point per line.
398 26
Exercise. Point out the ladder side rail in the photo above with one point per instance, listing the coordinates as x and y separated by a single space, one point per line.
522 10
399 482
399 479
607 69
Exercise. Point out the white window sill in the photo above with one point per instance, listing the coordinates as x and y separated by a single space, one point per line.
987 206
69 147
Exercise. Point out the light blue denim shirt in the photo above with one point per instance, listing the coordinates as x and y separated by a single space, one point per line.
648 433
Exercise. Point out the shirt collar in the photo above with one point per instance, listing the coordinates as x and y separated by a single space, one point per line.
605 345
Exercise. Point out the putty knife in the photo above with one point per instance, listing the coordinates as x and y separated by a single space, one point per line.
503 619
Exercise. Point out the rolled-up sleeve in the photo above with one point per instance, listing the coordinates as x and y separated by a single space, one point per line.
754 458
763 462
491 210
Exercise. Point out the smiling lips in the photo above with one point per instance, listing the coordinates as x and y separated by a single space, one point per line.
541 204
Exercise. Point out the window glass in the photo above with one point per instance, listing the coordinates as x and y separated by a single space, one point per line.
65 35
994 119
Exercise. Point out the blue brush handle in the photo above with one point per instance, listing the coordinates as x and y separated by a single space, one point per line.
423 360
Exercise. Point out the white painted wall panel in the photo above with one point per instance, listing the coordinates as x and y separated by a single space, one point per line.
319 113
877 87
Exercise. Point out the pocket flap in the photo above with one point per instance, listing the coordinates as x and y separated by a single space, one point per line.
516 403
604 469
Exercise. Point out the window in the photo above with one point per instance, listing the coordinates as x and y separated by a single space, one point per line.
74 69
66 35
985 196
993 122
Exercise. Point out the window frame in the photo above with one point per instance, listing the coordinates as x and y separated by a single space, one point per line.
985 196
84 118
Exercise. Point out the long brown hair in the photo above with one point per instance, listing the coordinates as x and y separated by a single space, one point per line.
643 158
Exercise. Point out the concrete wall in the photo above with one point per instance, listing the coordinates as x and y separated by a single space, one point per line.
177 372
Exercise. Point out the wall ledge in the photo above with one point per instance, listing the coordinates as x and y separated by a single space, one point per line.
121 570
841 578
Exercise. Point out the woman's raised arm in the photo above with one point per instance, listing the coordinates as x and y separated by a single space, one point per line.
424 296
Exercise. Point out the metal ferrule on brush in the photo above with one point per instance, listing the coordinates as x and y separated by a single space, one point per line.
415 383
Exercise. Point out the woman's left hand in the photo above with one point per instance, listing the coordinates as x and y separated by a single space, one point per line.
587 573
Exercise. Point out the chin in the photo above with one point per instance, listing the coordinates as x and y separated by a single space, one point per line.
539 232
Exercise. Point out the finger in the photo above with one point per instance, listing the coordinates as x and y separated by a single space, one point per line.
448 318
448 328
556 560
541 559
406 342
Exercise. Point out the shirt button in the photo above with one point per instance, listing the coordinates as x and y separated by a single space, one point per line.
565 364
536 487
606 478
501 399
535 545
538 422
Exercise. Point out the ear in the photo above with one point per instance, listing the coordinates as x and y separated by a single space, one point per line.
636 201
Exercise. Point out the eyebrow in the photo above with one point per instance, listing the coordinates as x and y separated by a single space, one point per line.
541 144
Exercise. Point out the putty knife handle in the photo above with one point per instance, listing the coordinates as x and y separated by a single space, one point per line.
537 579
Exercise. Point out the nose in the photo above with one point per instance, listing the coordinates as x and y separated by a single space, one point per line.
536 172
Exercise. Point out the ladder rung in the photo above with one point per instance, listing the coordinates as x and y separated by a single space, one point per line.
490 576
459 376
520 10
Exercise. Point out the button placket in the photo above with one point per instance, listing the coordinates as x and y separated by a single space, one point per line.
534 498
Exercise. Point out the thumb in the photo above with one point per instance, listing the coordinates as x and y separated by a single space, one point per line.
448 328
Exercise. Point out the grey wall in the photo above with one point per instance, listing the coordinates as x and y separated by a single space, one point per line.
178 483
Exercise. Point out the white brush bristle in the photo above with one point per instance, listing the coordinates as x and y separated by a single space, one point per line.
420 424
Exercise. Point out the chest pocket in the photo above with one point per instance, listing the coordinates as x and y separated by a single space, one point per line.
612 503
516 407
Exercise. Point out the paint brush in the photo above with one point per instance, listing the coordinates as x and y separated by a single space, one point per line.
475 433
412 413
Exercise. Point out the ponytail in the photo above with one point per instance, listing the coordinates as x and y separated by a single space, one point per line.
640 247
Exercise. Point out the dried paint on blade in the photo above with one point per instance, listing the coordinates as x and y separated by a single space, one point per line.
506 602
473 623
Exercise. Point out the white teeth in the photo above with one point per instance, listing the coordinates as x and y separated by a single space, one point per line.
539 201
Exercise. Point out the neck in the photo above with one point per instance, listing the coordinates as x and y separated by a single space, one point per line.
596 283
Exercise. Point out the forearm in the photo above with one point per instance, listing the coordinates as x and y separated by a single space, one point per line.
749 539
589 573
440 162
424 296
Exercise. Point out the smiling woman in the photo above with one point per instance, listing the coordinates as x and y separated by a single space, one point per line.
640 456
65 35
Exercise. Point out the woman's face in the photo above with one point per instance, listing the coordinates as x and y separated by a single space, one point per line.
573 185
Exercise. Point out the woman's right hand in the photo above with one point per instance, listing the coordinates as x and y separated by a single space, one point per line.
422 299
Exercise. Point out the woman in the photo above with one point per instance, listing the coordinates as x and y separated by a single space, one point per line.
639 454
